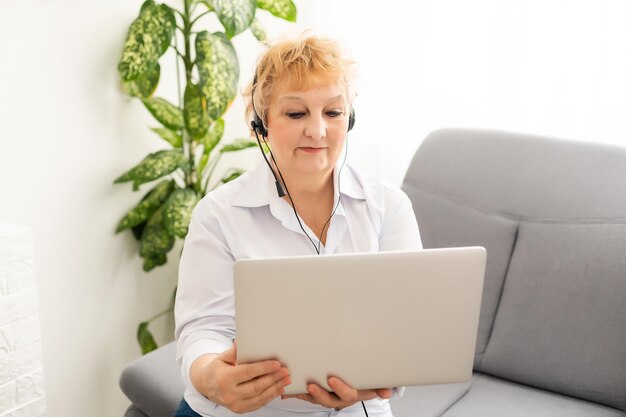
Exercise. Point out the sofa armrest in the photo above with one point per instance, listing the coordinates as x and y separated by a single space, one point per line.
133 411
153 382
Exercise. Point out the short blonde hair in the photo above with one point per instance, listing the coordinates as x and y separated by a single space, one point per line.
297 65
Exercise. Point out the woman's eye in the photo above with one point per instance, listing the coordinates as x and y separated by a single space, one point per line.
334 113
295 115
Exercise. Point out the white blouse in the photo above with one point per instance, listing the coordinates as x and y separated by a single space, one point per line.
245 218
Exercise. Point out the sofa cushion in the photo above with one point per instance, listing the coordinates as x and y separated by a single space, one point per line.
561 320
494 397
445 222
428 400
153 382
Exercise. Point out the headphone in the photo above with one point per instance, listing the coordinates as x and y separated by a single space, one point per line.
259 129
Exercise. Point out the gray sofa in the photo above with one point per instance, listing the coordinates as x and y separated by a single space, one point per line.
552 333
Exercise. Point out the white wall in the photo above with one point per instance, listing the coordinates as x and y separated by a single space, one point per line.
549 67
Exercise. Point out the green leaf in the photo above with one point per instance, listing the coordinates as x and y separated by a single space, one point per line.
257 30
145 338
177 211
235 15
145 85
165 25
238 145
149 36
232 174
152 167
140 53
155 240
218 68
202 164
169 136
196 117
213 136
151 262
148 205
165 112
285 9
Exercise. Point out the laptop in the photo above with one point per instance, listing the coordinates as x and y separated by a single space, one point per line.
375 320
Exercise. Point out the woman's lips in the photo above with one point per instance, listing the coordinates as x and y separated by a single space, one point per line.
311 150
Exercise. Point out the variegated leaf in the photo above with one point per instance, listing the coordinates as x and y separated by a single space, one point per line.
151 262
201 165
213 136
257 30
177 211
196 117
155 239
145 338
153 166
145 85
235 15
285 9
148 38
238 145
165 112
232 174
164 26
218 68
148 205
169 136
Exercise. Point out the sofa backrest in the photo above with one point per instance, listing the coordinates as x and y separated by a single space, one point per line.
552 215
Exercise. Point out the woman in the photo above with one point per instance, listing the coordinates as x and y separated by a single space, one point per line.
300 103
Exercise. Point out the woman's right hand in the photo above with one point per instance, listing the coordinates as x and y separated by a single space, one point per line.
240 388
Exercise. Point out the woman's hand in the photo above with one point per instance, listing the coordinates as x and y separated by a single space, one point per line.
344 395
240 388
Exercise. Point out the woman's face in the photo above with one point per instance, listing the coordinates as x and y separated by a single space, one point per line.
307 129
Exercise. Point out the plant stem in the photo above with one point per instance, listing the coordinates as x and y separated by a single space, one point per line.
179 13
187 34
180 93
162 313
189 174
180 55
213 163
199 16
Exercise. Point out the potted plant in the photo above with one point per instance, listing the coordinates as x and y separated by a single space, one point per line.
182 173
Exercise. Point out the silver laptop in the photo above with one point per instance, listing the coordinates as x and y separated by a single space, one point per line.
375 320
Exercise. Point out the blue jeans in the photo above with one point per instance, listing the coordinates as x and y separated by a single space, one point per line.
185 411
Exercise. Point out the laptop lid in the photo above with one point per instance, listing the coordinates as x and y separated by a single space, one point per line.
375 320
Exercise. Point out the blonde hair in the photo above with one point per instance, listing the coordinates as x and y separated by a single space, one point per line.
297 64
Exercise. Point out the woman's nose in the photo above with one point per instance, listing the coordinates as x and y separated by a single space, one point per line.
315 127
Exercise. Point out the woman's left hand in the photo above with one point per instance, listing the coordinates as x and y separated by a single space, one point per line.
343 395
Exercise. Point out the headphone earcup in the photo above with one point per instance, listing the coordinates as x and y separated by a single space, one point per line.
351 120
257 124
